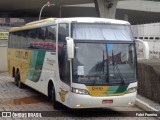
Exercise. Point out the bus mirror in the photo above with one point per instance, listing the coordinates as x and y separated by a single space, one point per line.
145 48
70 48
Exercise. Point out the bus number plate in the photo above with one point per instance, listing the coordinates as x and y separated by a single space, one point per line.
107 101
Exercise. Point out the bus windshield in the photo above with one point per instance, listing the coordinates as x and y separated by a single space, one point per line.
103 64
101 31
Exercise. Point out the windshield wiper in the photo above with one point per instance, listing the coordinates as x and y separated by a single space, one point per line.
107 80
116 66
103 64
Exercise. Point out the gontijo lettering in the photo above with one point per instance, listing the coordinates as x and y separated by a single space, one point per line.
21 55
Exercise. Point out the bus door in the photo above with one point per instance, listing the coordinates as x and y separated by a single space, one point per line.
64 65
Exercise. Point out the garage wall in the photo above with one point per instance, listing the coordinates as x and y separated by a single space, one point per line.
149 79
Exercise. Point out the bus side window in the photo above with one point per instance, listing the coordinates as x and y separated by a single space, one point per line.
14 40
25 37
34 39
50 38
10 40
30 38
41 33
19 39
40 38
63 32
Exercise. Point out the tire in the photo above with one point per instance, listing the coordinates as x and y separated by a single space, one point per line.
53 98
13 72
17 80
20 84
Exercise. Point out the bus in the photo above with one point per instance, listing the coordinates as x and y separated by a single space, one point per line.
82 62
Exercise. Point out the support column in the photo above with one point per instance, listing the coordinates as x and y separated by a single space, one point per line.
106 8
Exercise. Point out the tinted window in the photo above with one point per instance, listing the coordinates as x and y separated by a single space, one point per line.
45 38
39 38
63 32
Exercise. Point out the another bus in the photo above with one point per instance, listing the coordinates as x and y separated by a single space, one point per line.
79 62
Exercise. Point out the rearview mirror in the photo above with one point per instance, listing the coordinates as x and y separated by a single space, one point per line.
70 47
145 48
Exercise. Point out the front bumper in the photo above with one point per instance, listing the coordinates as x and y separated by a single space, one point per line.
87 101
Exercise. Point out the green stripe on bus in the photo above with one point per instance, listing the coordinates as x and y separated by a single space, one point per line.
116 89
36 64
122 89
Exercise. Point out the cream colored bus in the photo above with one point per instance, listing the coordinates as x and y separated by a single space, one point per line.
78 62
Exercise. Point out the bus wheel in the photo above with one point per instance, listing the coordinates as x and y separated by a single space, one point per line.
13 72
53 97
20 84
18 81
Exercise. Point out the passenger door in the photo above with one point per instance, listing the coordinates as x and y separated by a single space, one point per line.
64 67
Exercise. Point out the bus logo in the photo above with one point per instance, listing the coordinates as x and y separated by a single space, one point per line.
62 94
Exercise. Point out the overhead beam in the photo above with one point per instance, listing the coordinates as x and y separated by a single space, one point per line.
106 8
70 2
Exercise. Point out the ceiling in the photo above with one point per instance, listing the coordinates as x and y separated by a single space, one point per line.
6 5
135 9
19 8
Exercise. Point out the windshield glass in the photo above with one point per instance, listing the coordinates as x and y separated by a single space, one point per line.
101 31
103 64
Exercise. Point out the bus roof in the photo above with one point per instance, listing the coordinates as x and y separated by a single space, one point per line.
52 21
92 20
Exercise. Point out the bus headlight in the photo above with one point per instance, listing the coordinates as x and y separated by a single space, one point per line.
131 90
80 91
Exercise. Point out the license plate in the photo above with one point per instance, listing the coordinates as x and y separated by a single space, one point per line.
107 101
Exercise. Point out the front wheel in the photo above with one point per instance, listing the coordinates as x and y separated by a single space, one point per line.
53 97
20 84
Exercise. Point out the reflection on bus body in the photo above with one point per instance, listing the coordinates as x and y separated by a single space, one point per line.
43 45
